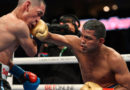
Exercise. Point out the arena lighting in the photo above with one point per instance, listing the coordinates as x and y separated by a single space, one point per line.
106 9
114 7
113 23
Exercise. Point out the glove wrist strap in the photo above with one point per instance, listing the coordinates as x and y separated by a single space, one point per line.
17 71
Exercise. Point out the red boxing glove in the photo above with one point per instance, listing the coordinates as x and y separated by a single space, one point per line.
30 76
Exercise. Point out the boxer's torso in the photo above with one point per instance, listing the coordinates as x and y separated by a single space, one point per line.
95 68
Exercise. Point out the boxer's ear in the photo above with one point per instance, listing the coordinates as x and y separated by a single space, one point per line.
26 5
101 41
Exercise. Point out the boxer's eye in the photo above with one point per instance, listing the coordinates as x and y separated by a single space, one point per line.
40 13
87 37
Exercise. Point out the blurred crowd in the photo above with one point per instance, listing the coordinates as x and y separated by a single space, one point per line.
66 25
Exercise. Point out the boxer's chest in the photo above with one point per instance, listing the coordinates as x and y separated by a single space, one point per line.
98 71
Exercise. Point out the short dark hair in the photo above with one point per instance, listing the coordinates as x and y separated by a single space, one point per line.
97 26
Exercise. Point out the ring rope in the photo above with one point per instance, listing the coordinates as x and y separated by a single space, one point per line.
54 60
52 87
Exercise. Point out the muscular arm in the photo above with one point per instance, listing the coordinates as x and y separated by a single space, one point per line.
121 71
24 39
41 32
66 40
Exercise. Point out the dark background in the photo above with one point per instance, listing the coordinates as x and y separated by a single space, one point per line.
83 9
86 8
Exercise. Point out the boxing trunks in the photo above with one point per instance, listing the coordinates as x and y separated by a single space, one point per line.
4 85
114 86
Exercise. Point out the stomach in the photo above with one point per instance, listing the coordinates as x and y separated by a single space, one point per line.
102 79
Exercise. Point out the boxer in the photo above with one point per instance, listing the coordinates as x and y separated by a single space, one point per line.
98 63
15 29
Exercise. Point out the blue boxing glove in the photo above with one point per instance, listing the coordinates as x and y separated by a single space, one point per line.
30 80
31 86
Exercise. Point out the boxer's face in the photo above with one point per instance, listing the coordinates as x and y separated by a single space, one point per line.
34 14
89 42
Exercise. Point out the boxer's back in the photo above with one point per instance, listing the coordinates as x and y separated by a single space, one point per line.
8 25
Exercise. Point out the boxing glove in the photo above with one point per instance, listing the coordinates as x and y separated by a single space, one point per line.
30 80
40 31
31 86
93 86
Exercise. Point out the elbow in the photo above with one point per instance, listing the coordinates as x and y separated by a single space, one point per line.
32 53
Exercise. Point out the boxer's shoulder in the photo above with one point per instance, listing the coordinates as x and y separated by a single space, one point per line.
110 52
20 27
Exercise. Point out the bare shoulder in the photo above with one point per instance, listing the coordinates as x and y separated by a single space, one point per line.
20 28
13 23
116 62
113 55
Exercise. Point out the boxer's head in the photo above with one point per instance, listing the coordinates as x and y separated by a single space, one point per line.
93 35
97 26
31 11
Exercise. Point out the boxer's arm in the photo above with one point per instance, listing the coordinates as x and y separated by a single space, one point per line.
119 67
58 39
26 42
42 33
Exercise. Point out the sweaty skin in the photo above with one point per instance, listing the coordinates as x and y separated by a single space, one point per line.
15 30
98 63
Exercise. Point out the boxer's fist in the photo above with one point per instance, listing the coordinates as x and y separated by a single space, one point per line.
31 86
91 86
40 31
32 81
30 76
